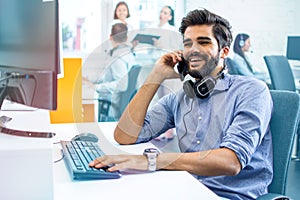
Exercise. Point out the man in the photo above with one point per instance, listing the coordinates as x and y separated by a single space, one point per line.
224 136
114 78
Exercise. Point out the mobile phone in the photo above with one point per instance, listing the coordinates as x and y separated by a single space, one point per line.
182 68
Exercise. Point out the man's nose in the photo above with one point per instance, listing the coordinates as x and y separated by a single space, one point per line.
196 47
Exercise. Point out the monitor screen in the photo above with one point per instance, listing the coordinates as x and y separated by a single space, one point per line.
29 52
293 48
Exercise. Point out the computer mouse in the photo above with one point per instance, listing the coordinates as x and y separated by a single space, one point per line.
89 137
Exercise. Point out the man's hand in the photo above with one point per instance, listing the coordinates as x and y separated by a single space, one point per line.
164 66
121 162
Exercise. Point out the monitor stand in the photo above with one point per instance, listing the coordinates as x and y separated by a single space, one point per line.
22 133
24 121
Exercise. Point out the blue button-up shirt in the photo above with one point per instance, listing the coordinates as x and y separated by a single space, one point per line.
236 116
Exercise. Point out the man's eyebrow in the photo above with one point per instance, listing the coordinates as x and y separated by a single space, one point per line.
203 38
198 38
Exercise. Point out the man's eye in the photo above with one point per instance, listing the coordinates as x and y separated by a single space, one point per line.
187 44
204 42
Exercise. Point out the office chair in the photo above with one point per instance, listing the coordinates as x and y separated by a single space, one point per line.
282 78
232 67
281 74
104 105
283 125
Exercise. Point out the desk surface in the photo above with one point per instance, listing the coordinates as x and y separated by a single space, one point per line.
157 185
132 185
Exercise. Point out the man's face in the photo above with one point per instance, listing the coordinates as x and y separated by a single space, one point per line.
200 50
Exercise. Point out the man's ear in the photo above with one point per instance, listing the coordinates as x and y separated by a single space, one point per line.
224 52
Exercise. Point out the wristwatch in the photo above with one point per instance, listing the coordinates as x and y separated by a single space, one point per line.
151 154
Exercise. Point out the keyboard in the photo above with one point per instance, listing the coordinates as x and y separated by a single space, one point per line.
78 155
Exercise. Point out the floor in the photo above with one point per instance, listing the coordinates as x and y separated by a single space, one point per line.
293 180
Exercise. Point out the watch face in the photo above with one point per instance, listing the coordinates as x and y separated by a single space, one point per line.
151 150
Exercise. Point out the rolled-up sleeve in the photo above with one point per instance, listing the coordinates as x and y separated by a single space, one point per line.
250 122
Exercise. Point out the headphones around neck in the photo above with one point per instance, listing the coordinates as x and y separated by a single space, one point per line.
201 88
242 41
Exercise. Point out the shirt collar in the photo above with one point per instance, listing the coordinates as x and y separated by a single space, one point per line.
222 84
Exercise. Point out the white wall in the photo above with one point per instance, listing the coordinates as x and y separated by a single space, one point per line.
268 22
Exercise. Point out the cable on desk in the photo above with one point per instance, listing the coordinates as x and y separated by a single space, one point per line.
62 157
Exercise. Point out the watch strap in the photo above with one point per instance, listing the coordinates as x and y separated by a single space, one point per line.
151 155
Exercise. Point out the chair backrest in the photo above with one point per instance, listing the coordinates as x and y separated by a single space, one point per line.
127 95
283 125
281 74
232 67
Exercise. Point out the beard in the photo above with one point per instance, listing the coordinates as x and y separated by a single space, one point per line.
209 65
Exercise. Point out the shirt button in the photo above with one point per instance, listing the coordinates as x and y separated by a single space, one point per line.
198 141
199 117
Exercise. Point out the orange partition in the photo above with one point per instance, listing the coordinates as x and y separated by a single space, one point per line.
69 93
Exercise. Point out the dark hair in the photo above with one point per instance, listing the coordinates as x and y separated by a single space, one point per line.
119 32
171 21
238 45
221 27
119 4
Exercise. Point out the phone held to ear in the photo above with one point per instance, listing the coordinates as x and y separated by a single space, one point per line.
182 68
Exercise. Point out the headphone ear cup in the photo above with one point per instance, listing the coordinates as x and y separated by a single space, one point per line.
188 88
242 43
203 88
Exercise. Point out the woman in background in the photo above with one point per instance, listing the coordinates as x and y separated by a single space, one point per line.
166 18
167 30
122 15
242 44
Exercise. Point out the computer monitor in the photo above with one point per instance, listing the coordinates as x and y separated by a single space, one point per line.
29 52
293 48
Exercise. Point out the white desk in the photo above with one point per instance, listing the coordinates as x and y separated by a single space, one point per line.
158 185
26 163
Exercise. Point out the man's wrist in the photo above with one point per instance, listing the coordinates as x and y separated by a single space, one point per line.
155 77
151 154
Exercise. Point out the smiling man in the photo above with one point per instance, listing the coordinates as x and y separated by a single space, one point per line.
221 121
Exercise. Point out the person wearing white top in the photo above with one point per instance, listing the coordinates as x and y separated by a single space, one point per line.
122 15
169 40
169 36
